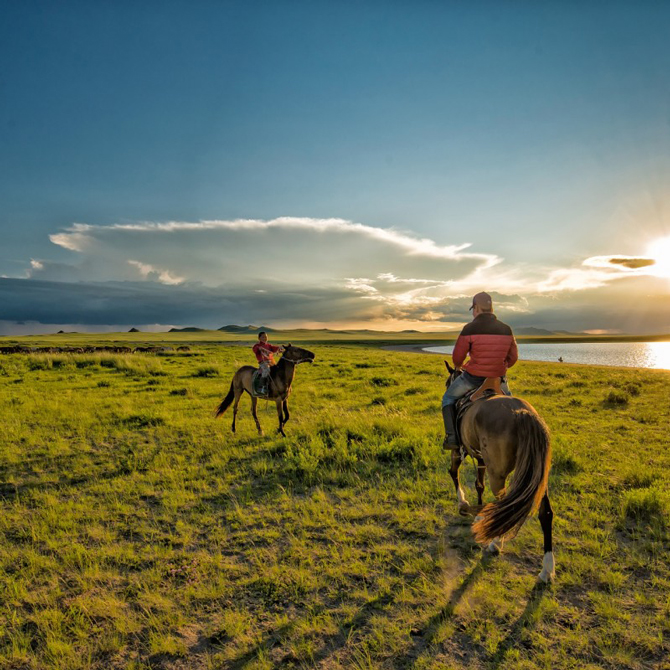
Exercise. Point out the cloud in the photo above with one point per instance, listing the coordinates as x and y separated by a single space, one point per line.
155 274
190 304
629 262
79 236
300 270
301 251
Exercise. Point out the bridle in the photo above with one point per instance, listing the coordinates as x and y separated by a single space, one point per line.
301 360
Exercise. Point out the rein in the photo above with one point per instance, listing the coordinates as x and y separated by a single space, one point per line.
289 360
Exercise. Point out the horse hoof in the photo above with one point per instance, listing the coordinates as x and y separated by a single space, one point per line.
464 509
546 577
493 549
548 573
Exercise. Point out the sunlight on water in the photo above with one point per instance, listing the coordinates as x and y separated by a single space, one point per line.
625 354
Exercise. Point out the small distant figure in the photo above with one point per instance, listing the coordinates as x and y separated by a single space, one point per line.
560 359
264 355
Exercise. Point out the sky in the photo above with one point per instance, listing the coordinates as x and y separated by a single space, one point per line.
334 164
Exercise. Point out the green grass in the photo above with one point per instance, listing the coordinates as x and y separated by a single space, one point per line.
137 532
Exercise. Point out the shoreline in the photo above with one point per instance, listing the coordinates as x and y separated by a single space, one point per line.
419 349
413 348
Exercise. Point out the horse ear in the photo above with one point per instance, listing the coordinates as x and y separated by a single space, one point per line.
451 370
288 345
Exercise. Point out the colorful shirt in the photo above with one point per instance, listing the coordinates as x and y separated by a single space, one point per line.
264 351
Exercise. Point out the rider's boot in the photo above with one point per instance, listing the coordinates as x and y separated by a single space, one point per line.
449 417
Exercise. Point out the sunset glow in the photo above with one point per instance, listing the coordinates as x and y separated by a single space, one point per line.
659 250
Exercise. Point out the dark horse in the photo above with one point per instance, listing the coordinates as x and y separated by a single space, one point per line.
281 378
505 433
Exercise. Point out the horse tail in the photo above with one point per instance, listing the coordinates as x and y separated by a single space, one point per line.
533 459
226 402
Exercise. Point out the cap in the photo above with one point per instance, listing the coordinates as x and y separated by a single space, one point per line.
482 300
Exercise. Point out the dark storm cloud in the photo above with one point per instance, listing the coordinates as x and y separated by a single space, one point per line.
633 263
151 302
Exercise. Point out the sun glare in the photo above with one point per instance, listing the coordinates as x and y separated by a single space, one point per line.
659 250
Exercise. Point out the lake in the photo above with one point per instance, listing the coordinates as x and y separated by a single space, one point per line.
625 354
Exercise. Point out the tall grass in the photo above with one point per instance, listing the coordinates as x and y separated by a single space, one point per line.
138 532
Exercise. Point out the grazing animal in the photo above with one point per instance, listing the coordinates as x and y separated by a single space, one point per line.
506 434
281 378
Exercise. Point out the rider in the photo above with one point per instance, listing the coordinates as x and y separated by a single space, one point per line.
264 355
492 350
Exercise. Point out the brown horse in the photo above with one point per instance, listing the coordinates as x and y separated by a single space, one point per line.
281 378
504 434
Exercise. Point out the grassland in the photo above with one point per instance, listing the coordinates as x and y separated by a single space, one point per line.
137 532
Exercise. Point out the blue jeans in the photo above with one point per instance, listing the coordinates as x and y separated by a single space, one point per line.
467 382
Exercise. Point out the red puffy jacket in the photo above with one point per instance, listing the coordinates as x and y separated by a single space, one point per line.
491 346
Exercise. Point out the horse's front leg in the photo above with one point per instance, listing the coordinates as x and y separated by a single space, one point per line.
280 415
254 405
463 505
286 414
546 517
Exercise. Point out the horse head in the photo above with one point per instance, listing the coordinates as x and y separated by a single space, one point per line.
297 355
454 373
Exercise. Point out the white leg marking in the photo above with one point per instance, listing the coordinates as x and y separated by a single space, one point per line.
461 497
548 568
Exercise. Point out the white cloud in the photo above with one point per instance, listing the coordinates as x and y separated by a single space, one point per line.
293 268
76 237
150 272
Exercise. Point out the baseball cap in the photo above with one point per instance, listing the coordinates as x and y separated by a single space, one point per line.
482 300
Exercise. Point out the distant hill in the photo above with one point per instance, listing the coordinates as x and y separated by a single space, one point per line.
540 332
246 329
190 329
133 330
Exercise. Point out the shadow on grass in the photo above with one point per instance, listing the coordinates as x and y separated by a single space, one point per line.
331 645
427 634
523 622
338 640
10 491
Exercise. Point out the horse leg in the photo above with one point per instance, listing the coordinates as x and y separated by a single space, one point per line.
546 516
280 414
497 483
286 414
254 405
463 505
479 484
238 395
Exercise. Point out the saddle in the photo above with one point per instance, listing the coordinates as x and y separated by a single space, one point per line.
490 387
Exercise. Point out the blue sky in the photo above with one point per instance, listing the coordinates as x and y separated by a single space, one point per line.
537 133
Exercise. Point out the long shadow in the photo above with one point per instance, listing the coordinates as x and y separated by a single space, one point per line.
268 642
10 491
534 601
331 645
338 640
428 632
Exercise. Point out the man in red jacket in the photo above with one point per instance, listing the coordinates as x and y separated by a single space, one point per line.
492 349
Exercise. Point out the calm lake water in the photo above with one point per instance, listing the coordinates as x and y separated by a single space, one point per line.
625 354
